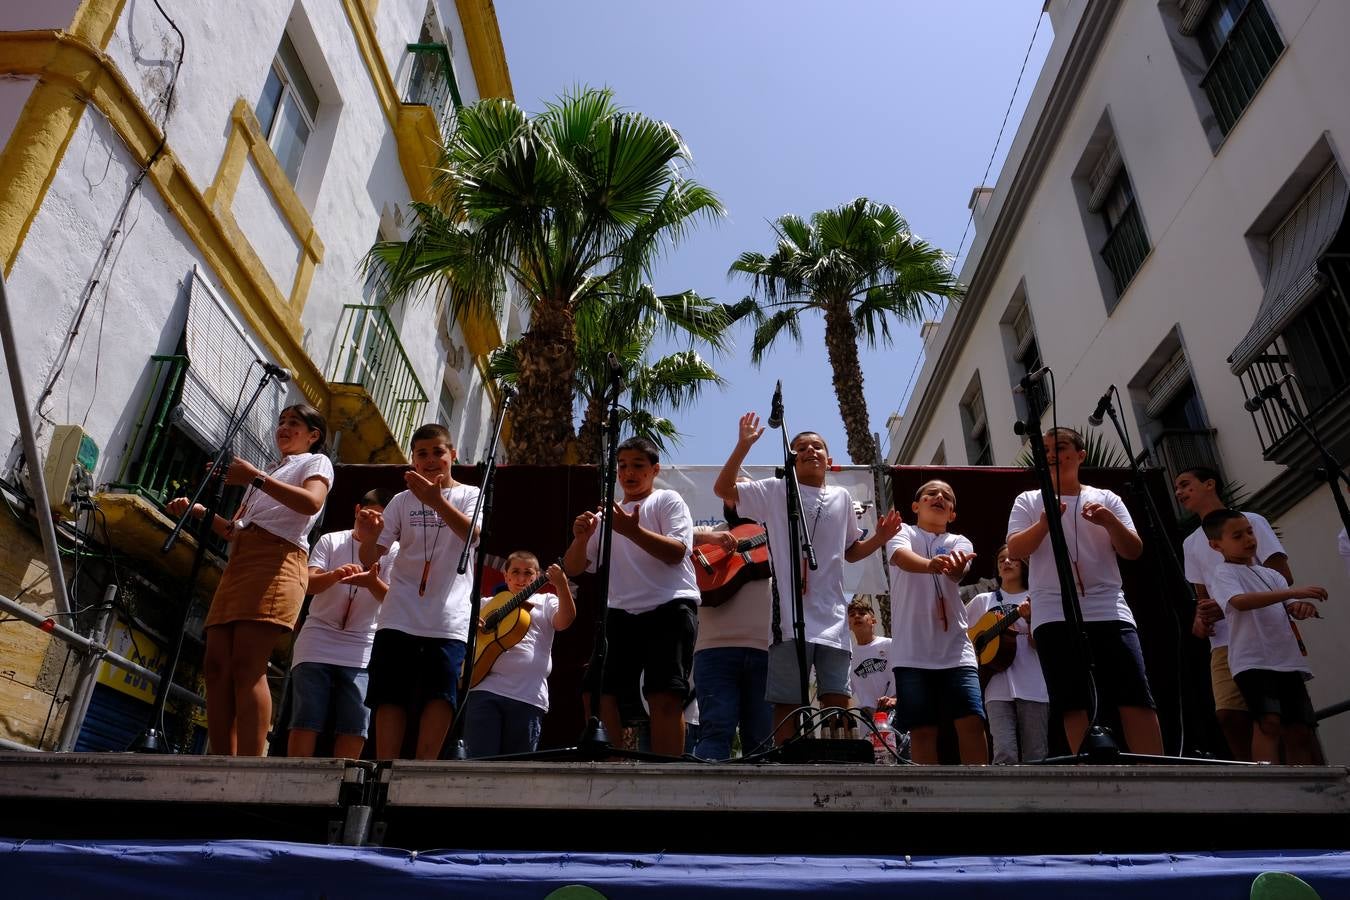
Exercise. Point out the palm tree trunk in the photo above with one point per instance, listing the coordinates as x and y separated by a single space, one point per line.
841 341
591 437
541 423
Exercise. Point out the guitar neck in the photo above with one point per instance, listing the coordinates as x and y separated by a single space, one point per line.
519 599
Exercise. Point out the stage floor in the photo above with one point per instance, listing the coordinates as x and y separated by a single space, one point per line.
678 806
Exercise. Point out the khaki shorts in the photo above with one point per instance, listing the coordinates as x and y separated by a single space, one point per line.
1226 693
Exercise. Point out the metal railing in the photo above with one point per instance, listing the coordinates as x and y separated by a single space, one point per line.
368 352
1125 249
431 82
1241 64
1312 348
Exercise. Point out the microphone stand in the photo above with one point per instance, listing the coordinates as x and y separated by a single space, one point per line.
152 738
799 542
1331 469
481 523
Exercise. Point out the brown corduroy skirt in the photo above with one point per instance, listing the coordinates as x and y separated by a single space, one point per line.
264 581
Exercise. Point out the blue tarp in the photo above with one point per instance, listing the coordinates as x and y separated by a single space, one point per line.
272 869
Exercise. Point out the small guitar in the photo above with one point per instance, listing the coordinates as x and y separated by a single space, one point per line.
721 573
994 640
505 621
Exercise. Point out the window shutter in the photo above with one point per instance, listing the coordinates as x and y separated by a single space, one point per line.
1104 175
1165 386
1192 14
1023 333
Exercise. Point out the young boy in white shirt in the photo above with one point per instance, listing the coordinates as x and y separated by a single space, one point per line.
870 680
505 711
936 678
1097 528
332 651
653 596
418 655
833 529
1265 650
1197 490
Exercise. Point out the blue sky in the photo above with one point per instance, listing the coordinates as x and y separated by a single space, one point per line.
791 107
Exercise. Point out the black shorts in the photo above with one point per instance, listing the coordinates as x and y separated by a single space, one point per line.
657 646
1116 656
1282 694
408 670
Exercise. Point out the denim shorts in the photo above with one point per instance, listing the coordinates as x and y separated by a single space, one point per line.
315 687
784 683
928 697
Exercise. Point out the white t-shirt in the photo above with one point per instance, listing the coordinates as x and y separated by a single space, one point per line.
1099 590
521 673
1343 548
638 581
833 528
1201 560
1023 679
928 619
340 627
442 610
266 512
869 675
1257 638
742 621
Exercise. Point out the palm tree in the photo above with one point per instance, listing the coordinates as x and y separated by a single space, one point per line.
857 265
574 204
627 328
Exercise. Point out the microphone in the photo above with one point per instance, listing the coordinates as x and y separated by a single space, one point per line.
1102 406
615 369
1267 392
277 372
1030 379
776 406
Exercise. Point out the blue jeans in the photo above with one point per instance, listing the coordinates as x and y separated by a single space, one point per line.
495 724
730 684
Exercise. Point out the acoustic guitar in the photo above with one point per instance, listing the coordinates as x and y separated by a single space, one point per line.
995 643
721 573
505 621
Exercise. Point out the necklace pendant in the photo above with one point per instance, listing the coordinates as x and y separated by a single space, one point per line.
426 573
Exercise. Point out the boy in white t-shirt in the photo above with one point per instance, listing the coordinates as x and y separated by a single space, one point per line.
329 659
1197 490
936 679
1097 528
1265 651
870 680
418 655
653 596
832 527
505 711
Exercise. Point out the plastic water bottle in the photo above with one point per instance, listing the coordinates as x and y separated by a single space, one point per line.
883 740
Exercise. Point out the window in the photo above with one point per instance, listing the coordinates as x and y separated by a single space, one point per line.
445 406
1112 217
1175 426
1025 354
288 108
1126 245
979 450
940 454
1240 45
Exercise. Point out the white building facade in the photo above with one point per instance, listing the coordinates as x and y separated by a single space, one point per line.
188 189
1171 220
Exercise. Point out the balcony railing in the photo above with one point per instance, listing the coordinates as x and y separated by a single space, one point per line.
1125 249
367 352
1312 349
431 82
1241 64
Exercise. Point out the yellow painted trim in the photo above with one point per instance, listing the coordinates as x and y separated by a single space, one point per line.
361 14
77 69
96 21
366 437
486 53
246 142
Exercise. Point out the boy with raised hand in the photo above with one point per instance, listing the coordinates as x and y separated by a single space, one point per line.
1097 528
332 651
1265 651
504 713
653 596
833 529
1197 490
419 648
936 676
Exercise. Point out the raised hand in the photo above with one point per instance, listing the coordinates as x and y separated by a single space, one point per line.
939 564
1308 592
427 491
348 570
889 525
238 472
584 525
369 523
960 559
1097 514
626 524
557 577
749 430
365 578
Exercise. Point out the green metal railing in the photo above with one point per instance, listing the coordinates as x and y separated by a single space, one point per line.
367 351
431 82
1241 64
1125 249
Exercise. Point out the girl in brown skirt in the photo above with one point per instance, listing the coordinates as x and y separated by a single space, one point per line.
264 583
